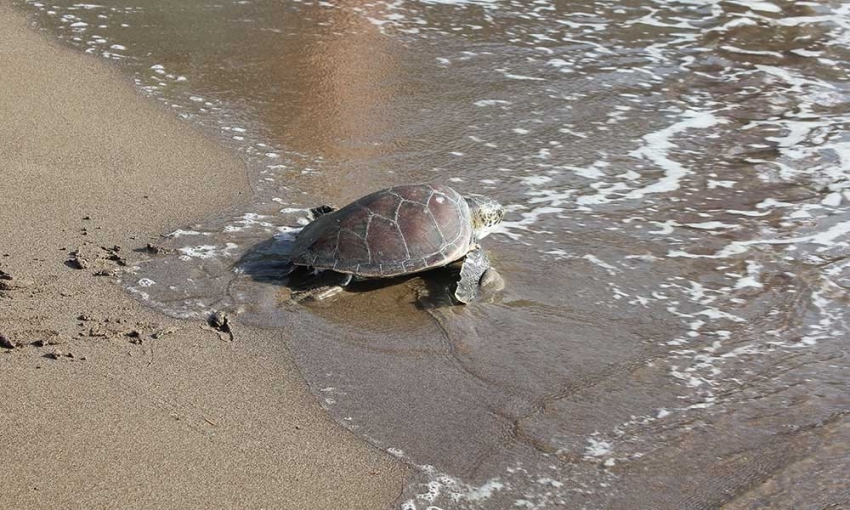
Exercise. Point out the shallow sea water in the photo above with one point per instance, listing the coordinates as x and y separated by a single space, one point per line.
673 333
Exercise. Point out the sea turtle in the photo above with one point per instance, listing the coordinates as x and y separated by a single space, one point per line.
401 230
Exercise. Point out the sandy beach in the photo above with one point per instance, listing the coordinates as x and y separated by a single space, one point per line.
107 404
673 328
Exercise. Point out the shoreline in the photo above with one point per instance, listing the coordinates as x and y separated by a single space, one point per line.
108 403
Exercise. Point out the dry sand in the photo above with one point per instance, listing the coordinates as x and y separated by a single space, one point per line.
95 412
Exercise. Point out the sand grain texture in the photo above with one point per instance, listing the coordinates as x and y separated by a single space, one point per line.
107 404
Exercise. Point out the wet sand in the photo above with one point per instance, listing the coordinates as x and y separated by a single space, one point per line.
107 403
674 325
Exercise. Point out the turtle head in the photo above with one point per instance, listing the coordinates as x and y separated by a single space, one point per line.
486 214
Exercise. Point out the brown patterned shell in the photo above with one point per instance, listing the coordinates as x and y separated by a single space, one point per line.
395 231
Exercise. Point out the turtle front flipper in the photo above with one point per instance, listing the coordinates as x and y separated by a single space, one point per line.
326 285
315 212
474 266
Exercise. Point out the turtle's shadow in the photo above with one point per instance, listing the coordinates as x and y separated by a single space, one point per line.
268 262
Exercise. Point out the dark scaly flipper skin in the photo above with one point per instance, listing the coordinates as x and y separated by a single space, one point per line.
474 266
321 210
400 230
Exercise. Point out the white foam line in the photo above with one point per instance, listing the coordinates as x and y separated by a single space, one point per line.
598 262
757 6
795 81
657 146
521 77
735 49
826 239
483 3
448 487
596 448
737 22
528 218
491 102
751 280
599 47
181 232
712 225
207 251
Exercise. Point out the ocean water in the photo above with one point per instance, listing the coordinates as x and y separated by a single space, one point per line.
673 330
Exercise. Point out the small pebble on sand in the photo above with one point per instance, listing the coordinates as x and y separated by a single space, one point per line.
5 342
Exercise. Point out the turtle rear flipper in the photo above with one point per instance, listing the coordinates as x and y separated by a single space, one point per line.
315 212
474 266
327 285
